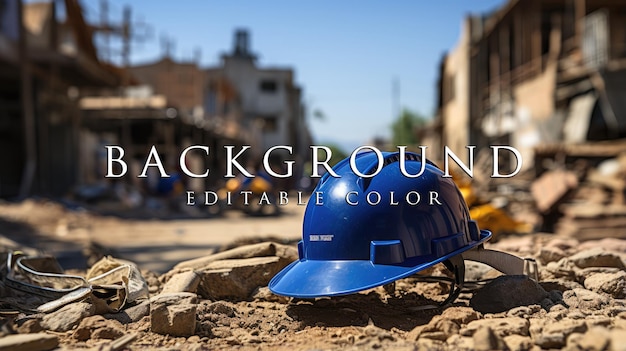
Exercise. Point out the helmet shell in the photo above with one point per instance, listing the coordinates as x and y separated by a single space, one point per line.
369 231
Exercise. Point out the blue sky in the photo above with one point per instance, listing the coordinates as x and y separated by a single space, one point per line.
346 54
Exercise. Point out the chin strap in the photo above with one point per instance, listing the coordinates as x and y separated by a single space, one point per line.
456 265
503 262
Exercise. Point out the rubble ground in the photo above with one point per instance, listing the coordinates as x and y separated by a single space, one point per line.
221 301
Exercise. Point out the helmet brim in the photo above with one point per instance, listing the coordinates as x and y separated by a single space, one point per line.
316 278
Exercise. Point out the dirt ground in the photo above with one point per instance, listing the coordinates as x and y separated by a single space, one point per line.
579 303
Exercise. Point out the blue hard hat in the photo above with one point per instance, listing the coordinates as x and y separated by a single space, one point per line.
370 231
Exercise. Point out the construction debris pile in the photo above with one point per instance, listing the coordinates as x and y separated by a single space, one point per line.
222 300
581 189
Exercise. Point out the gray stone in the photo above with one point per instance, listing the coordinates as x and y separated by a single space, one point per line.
68 316
597 257
554 335
182 282
507 292
613 284
29 342
173 314
237 278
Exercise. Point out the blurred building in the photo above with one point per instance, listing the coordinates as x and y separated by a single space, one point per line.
47 57
534 73
262 99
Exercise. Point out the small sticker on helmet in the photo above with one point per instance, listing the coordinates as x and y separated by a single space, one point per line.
321 237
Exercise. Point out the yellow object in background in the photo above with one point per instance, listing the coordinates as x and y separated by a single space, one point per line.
497 221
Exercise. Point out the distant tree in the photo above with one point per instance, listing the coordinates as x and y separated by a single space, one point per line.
403 128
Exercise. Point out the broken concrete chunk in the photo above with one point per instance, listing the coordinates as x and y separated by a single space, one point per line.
597 257
507 292
68 316
29 342
173 314
237 278
182 282
613 284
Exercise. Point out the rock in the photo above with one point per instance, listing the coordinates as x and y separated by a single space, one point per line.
613 284
597 257
131 314
68 316
287 254
584 299
562 269
438 329
460 315
618 340
522 311
458 342
616 245
507 292
182 282
595 339
518 343
554 335
549 254
29 342
485 340
30 326
97 327
173 314
237 278
501 326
